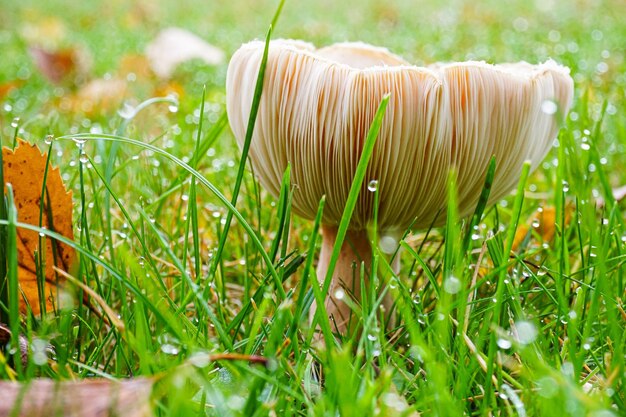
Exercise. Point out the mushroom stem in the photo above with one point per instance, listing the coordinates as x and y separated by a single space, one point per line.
356 250
346 282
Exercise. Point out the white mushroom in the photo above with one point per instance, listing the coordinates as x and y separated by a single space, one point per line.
316 109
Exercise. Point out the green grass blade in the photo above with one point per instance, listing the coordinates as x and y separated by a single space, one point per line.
12 278
258 90
480 206
355 189
241 220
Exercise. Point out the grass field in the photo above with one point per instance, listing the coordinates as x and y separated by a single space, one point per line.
539 333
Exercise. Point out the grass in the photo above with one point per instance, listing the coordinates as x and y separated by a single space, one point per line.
537 333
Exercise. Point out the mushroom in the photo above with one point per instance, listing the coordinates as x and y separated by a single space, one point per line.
316 109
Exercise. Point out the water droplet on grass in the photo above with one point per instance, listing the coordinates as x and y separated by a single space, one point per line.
15 122
39 348
504 343
49 139
526 332
388 244
372 185
127 111
452 285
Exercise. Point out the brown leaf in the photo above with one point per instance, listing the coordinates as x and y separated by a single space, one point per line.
24 169
543 223
135 64
99 96
171 88
5 338
86 398
62 66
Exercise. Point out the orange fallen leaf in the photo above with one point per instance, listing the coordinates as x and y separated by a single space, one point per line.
543 223
24 169
98 96
135 64
60 66
171 88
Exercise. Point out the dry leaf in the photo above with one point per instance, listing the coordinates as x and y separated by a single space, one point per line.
61 66
86 398
135 64
24 169
171 88
543 222
174 46
99 96
5 338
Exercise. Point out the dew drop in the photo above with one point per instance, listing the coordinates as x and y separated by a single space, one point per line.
339 294
169 349
567 368
526 332
452 285
15 122
504 344
388 244
372 185
49 139
127 111
173 108
83 158
39 348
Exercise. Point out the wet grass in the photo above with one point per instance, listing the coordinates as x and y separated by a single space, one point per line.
539 332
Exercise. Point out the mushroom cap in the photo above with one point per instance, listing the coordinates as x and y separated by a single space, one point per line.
317 107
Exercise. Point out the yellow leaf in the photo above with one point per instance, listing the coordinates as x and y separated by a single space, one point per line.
543 223
24 169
